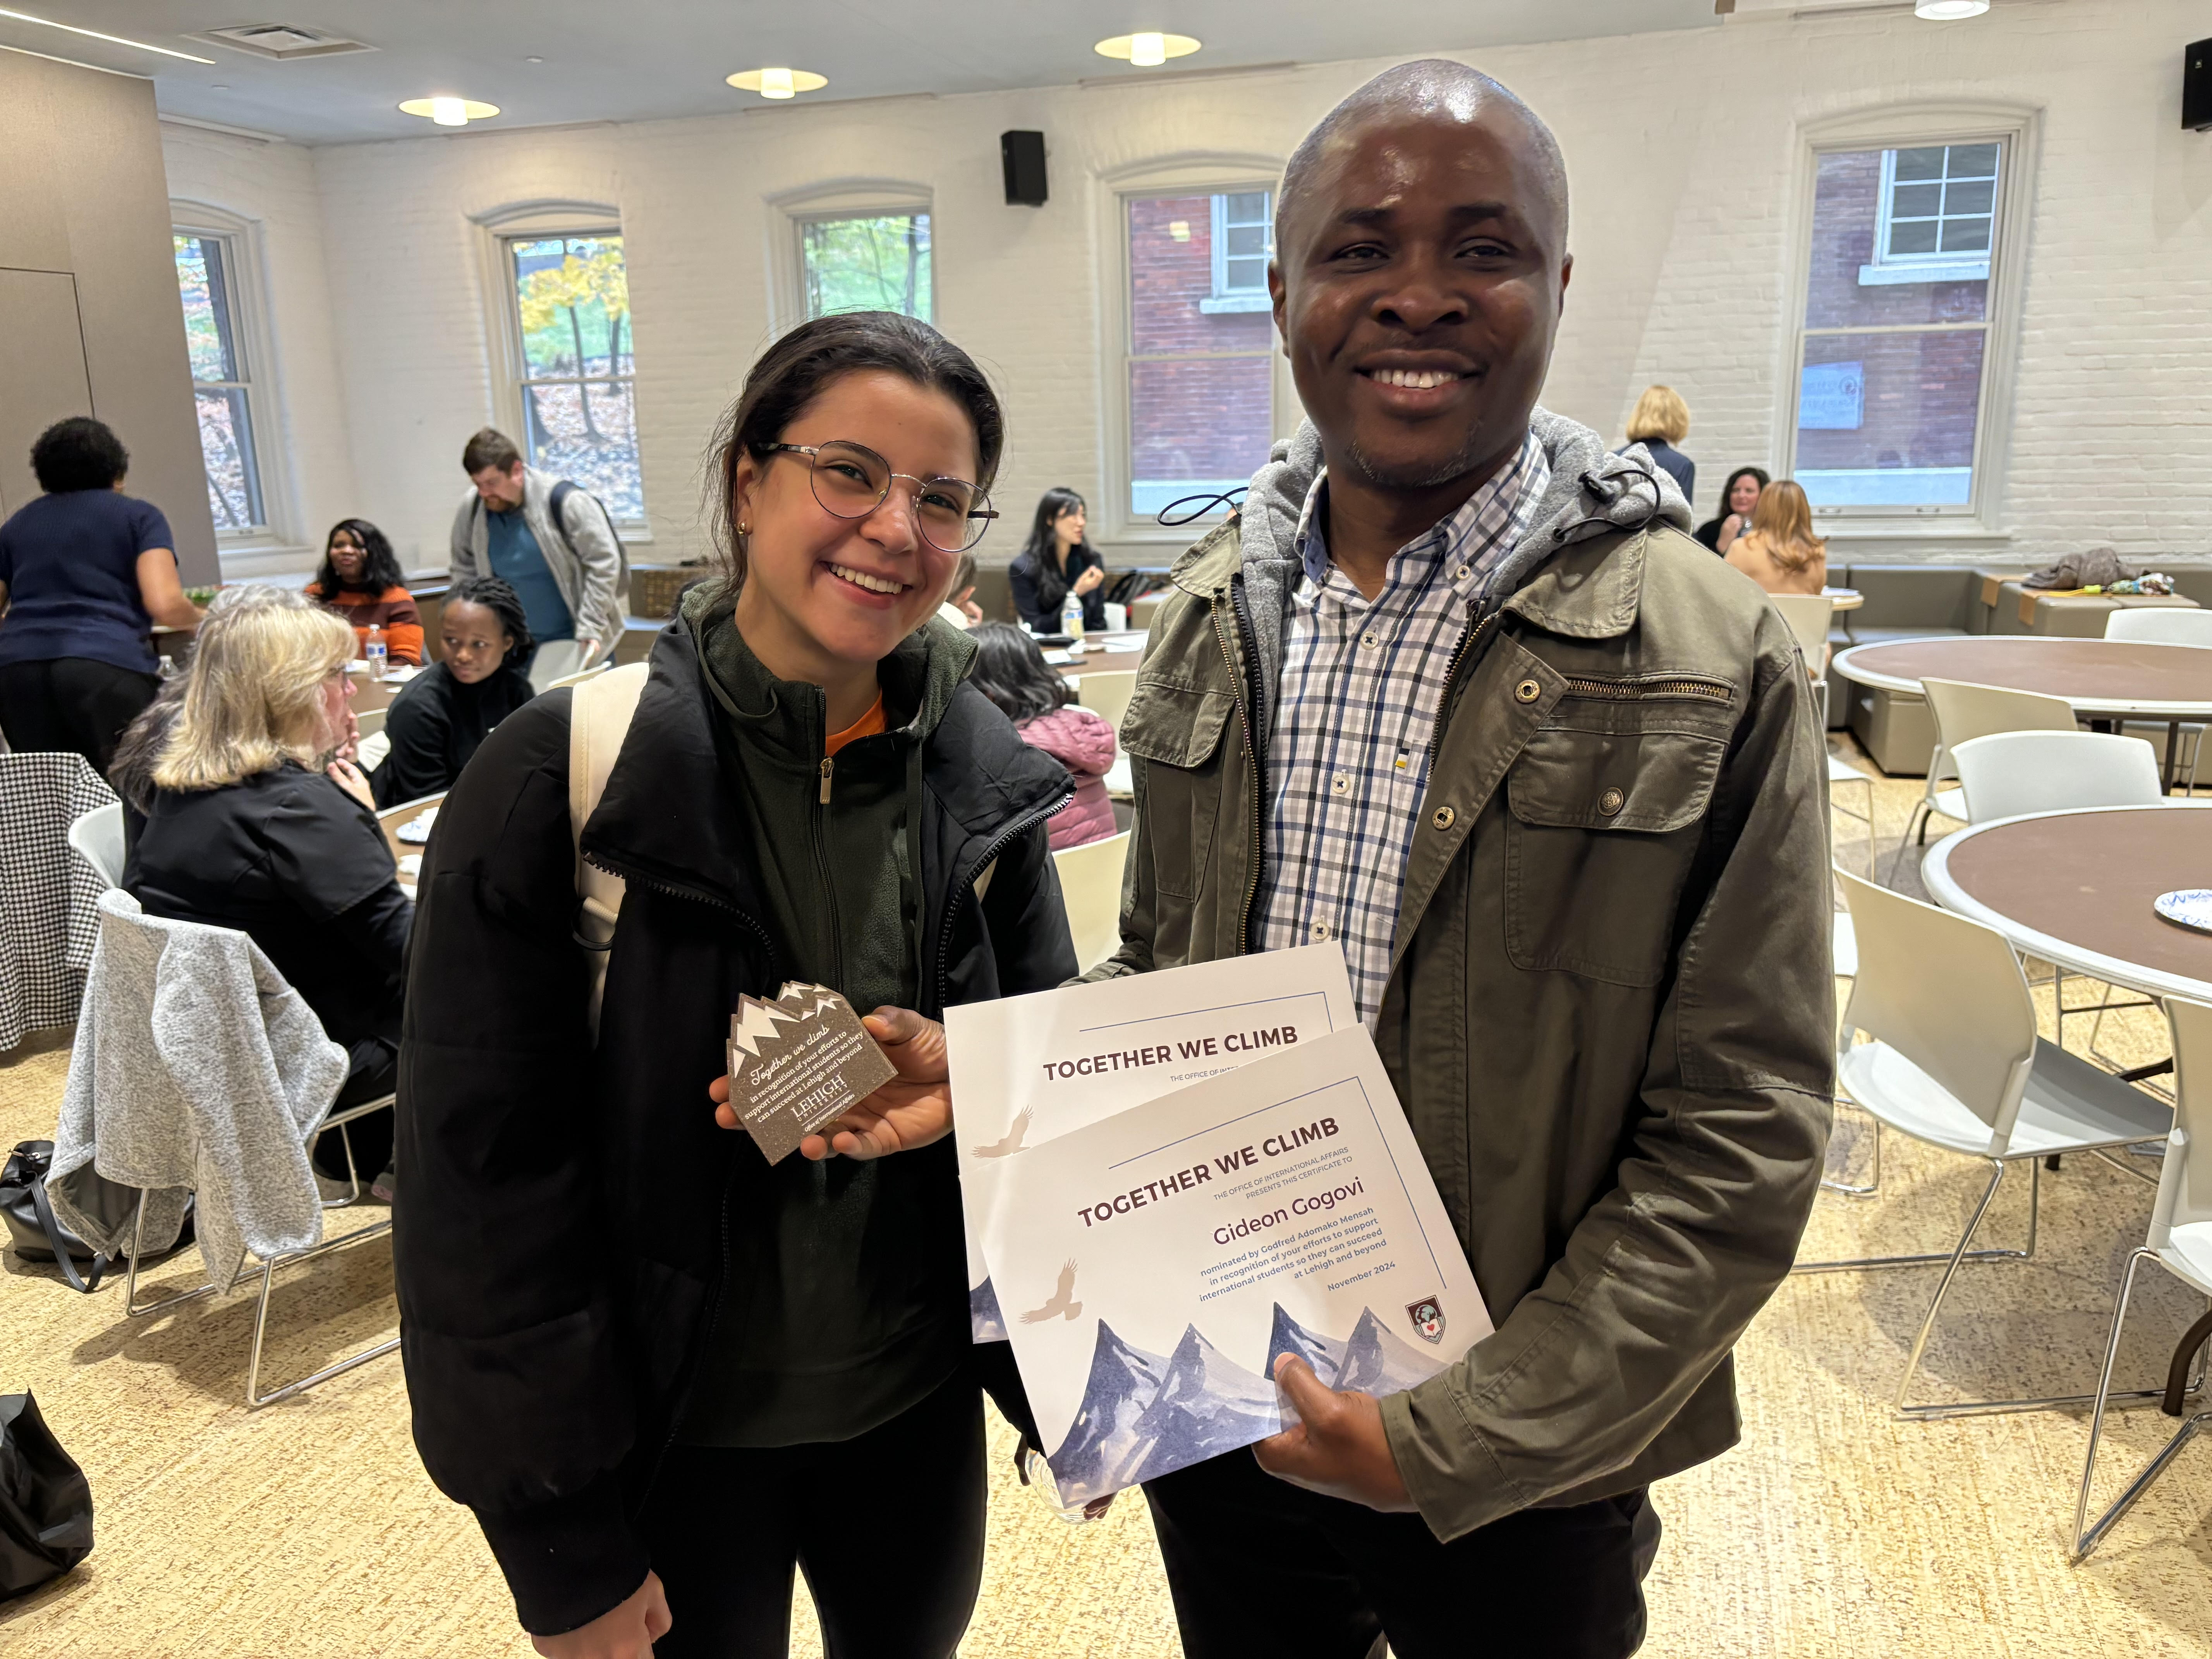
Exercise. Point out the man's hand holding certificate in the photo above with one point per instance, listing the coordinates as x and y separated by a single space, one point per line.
1155 1259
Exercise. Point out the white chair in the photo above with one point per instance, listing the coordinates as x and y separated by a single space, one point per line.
369 722
97 838
1091 888
556 660
1961 711
579 678
1954 1062
2180 1241
1107 694
1841 771
2011 773
2160 624
1808 615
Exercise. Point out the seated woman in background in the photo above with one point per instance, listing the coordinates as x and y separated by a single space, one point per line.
253 825
359 580
1779 552
440 717
1011 671
1738 497
1057 560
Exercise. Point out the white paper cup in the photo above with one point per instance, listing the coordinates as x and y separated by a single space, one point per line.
1117 618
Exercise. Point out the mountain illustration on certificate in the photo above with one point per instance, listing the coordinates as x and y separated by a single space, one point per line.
1144 1415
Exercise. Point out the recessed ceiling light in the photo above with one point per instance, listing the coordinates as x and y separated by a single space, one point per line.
778 82
1146 51
1949 11
95 35
449 111
533 60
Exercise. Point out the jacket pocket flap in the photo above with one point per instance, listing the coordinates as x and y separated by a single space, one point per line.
1646 780
1175 724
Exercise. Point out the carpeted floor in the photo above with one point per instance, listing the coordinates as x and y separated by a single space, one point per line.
309 1529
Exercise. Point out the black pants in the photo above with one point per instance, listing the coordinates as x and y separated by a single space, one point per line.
1260 1566
888 1528
72 704
375 1071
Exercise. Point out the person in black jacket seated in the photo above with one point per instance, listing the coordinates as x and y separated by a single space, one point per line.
661 1370
1058 557
1739 496
255 824
444 712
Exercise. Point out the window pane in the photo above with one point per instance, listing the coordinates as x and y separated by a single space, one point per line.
1845 289
1247 241
1966 235
227 447
1916 201
1169 274
1888 419
1972 161
878 264
1249 208
208 333
1920 163
587 431
1978 196
1197 425
573 294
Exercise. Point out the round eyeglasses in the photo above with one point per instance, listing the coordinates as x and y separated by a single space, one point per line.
851 481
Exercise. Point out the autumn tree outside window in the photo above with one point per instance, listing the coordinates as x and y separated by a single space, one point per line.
577 365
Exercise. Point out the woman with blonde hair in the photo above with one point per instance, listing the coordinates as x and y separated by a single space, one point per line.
1779 552
255 822
1662 421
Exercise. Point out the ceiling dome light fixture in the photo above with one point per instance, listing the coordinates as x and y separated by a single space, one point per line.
778 82
1146 51
1948 11
449 111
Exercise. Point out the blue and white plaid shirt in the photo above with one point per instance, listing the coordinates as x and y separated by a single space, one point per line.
1361 685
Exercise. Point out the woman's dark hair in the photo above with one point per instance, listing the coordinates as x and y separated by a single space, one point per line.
1051 580
1009 669
503 602
379 566
1709 532
798 368
130 774
78 453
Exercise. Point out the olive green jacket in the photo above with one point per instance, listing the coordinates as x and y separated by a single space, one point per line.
1610 1017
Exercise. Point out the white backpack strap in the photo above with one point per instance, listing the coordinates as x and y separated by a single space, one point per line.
600 714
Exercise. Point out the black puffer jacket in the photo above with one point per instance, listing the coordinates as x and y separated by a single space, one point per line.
559 1239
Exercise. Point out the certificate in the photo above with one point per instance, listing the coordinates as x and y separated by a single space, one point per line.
1026 1069
1154 1265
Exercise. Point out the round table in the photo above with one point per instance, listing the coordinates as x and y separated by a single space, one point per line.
371 695
1108 652
2076 889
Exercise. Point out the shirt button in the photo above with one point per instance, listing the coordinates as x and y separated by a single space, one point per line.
1444 818
1319 930
1372 641
1527 691
1610 802
1340 784
1461 574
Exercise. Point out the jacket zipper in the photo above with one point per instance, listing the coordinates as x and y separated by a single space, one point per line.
1467 642
1245 697
1019 826
819 828
1667 690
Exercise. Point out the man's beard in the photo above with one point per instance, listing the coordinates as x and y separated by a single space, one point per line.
1425 476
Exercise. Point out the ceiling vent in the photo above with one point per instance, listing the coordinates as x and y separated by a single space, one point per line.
283 41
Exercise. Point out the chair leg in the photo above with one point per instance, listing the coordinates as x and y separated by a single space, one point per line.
254 1398
130 1308
1874 1177
1933 1258
2088 1536
1919 816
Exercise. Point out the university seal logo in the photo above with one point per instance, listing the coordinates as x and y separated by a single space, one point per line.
1428 1318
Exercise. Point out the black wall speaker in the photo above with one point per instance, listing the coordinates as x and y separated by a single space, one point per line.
2196 87
1023 156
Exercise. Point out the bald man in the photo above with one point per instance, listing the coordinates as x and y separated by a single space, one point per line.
1455 690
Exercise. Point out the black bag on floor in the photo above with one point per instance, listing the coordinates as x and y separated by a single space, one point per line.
39 1235
45 1503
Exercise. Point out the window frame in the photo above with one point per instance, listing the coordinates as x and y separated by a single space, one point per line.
239 239
2017 131
1201 173
1225 299
536 222
1936 266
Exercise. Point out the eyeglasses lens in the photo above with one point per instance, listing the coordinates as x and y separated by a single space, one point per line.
852 482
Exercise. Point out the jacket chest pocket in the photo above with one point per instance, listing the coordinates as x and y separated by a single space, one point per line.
1176 733
1599 830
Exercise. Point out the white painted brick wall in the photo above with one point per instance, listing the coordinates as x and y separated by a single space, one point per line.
1682 150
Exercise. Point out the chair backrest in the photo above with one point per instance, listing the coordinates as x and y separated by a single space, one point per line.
1107 694
2185 1185
97 838
1807 615
1091 888
1962 710
592 672
2009 773
369 722
1946 993
2160 624
391 818
556 660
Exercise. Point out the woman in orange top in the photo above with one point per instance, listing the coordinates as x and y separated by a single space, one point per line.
1779 552
359 580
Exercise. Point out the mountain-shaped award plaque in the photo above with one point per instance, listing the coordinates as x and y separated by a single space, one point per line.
799 1062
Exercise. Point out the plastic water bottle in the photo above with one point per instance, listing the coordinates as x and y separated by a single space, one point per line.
1071 616
374 650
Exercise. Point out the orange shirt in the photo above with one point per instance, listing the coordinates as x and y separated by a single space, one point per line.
866 726
393 611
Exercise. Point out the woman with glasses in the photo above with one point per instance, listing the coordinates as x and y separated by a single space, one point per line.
662 1370
1056 561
